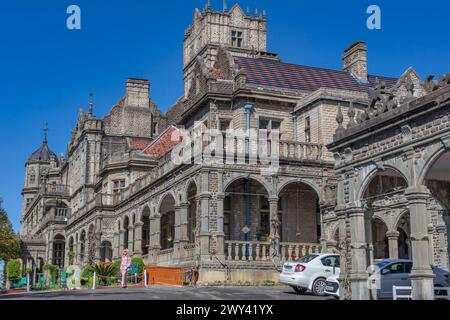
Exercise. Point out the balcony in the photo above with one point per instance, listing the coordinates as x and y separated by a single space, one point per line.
55 190
260 251
121 158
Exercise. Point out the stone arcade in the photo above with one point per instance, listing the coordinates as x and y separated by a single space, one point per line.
117 187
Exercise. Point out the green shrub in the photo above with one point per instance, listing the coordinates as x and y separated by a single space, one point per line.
140 264
54 270
13 269
105 271
88 270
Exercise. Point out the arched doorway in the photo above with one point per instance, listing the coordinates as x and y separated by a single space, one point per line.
59 244
106 251
382 188
192 199
82 245
145 231
167 223
380 240
246 211
437 180
404 241
299 214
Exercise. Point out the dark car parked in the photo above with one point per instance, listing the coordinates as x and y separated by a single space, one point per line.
396 272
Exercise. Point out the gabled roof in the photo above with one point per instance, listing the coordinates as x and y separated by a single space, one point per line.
278 74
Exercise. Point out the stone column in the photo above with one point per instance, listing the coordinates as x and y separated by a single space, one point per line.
358 275
138 239
220 235
177 236
393 244
274 227
121 238
184 238
130 239
155 239
421 273
116 249
204 235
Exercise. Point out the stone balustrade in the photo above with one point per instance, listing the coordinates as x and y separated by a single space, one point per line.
293 150
260 251
293 251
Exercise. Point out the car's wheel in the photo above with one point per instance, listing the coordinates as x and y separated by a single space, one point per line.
318 287
299 290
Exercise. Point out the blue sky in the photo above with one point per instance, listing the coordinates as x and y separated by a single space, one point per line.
47 71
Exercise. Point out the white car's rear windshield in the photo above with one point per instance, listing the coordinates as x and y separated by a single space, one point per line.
307 259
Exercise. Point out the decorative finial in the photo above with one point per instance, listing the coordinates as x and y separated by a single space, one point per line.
45 131
340 120
248 11
208 5
264 15
351 115
225 8
91 104
256 12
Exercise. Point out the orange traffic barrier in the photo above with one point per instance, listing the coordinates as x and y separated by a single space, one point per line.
165 275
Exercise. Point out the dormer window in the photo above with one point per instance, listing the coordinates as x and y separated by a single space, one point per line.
236 39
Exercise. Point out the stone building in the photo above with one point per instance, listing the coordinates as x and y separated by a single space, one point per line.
118 186
392 167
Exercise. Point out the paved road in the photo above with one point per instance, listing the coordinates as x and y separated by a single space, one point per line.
172 293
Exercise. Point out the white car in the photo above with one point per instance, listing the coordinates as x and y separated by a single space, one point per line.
332 286
310 272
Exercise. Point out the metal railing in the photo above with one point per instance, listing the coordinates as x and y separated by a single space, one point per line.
437 296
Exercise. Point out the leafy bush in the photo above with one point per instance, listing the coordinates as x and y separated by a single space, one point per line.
54 270
88 270
105 271
140 264
13 269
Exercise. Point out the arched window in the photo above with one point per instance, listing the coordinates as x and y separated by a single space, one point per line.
58 251
106 251
82 245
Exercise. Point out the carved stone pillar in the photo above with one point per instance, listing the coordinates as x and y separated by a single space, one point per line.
274 227
220 235
421 273
116 249
183 229
138 239
177 236
204 235
121 238
393 244
358 275
155 240
130 239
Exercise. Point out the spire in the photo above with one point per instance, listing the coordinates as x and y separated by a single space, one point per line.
45 132
225 7
248 12
91 104
208 5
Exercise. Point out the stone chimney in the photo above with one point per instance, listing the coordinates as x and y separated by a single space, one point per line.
138 93
355 60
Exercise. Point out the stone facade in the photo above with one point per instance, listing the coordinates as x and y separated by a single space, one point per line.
237 221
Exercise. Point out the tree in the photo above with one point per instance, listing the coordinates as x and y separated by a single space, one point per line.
9 242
